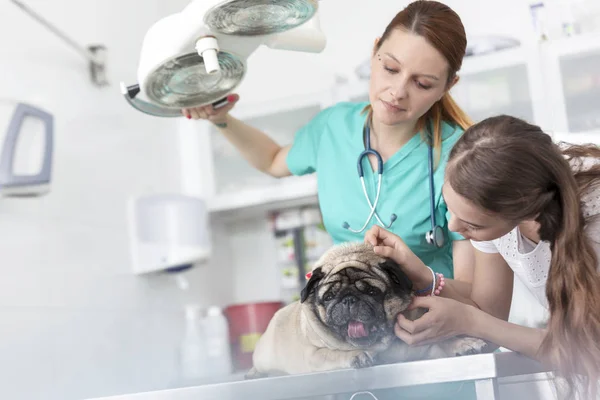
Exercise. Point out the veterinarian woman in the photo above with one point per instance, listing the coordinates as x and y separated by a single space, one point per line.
413 66
530 208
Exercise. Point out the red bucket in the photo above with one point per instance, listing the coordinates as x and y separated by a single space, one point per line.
247 322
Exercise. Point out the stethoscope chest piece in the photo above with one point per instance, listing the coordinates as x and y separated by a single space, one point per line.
436 237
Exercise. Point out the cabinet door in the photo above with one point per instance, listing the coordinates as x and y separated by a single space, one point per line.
506 82
580 78
573 69
357 92
233 174
501 91
580 75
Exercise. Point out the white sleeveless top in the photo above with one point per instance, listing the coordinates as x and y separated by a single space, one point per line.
530 262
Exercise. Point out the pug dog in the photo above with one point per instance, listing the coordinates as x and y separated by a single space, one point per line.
345 319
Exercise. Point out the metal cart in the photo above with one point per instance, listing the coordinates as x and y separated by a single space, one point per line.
487 371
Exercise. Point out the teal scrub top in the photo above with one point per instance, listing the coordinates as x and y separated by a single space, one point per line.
330 145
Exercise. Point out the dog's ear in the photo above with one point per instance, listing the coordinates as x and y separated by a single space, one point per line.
316 276
400 281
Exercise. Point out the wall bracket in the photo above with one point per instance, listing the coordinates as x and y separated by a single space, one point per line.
94 54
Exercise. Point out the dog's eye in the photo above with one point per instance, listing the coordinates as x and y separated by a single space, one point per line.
328 296
373 291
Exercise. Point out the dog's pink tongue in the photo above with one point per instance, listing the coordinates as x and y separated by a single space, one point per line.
356 330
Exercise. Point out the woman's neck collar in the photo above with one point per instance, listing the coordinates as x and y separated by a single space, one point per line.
392 136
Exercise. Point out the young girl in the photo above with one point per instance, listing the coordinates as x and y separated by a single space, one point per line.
530 208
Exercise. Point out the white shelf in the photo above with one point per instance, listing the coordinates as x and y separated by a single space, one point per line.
585 137
293 191
575 45
493 61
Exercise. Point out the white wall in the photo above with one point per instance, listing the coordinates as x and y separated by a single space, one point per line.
74 321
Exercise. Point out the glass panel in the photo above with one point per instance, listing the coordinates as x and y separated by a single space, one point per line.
360 98
499 91
30 147
233 173
580 74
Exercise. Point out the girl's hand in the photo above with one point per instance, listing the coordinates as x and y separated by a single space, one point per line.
389 245
446 318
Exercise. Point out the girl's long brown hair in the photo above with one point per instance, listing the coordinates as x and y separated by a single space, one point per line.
512 168
443 29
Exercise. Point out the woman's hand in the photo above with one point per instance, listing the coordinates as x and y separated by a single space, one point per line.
216 116
446 318
388 245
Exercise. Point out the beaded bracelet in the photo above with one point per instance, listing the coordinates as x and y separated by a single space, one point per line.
441 283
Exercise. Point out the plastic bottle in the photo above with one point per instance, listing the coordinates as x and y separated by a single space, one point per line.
193 349
218 352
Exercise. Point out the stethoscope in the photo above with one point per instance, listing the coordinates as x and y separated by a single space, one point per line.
435 236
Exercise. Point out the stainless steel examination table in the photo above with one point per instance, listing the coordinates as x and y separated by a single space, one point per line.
487 371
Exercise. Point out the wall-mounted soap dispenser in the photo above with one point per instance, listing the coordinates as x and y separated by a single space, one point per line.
26 152
168 232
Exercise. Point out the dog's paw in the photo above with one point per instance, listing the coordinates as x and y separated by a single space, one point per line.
465 346
254 374
362 360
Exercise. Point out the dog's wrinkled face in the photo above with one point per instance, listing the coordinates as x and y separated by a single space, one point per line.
357 294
